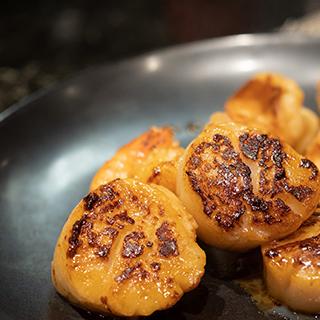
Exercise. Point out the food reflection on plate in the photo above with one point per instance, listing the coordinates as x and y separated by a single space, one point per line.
249 179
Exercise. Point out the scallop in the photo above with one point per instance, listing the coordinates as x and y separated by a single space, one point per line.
245 187
274 103
150 158
127 249
292 267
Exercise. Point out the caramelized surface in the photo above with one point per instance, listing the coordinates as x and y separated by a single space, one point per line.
245 188
274 103
292 267
151 158
129 249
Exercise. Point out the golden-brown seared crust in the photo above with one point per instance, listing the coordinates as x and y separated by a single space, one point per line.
153 138
107 205
247 182
261 100
150 158
128 249
267 91
292 266
219 182
302 252
299 249
274 103
224 182
104 205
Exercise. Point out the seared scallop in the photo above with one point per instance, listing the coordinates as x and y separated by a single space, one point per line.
128 249
292 267
151 158
274 103
244 187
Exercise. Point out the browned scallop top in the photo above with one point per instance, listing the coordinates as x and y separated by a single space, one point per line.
264 90
223 180
153 138
112 210
263 94
301 249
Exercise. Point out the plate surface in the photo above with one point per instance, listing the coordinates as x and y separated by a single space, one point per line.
52 144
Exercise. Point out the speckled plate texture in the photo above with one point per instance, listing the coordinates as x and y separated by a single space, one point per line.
52 143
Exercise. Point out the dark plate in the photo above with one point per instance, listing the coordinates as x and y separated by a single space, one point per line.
52 144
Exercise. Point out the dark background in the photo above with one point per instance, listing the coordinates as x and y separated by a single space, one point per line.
42 42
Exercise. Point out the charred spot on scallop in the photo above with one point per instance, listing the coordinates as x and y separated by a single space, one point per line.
305 163
111 232
132 246
250 145
301 193
155 173
74 239
108 192
227 221
155 266
90 200
269 154
85 233
103 205
301 252
136 270
123 216
260 146
167 243
103 251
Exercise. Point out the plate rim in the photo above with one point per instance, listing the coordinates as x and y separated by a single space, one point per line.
231 41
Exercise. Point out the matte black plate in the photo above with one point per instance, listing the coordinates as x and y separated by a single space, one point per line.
51 145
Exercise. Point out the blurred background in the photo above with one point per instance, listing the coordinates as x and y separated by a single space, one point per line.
43 42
